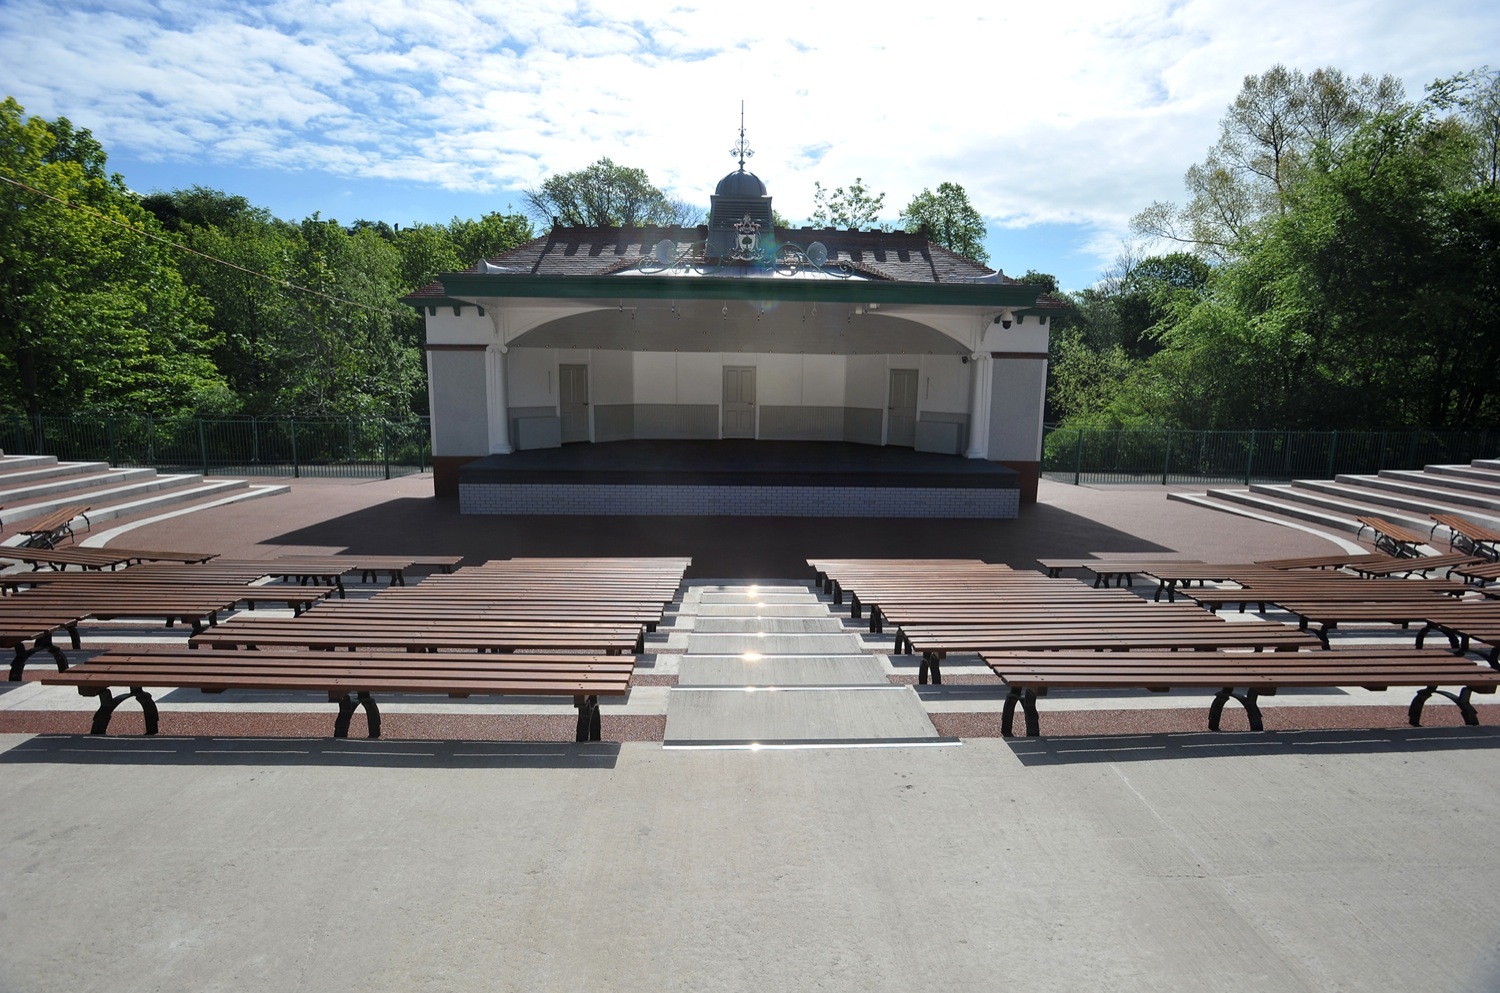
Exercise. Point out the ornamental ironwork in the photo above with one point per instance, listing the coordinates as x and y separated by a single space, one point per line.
785 259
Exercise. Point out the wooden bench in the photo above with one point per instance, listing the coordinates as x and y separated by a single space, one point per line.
1030 675
37 627
1466 623
1327 614
937 641
1324 561
1464 535
1478 574
60 558
1264 590
1392 538
47 530
349 680
422 635
1422 564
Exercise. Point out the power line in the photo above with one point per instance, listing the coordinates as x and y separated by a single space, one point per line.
285 284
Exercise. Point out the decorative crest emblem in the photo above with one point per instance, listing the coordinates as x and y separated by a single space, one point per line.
747 237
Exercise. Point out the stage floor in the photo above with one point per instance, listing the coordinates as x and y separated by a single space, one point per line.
737 478
738 463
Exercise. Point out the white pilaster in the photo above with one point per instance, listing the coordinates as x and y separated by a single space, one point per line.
497 404
979 406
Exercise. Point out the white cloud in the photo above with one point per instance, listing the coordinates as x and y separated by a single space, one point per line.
1073 112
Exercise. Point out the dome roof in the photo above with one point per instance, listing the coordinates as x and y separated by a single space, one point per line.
740 184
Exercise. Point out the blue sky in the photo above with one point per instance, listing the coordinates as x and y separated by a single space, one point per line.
1060 120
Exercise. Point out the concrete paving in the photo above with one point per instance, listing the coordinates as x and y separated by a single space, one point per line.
1160 863
783 681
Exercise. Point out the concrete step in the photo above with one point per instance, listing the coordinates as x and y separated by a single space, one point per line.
1276 499
1430 497
179 495
29 469
105 502
1327 527
1454 484
1475 472
1488 465
79 484
1417 506
9 463
1352 502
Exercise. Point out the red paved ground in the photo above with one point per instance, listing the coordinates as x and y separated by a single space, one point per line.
402 517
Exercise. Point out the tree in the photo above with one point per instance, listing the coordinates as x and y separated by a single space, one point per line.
1266 137
1476 97
491 235
852 207
94 314
601 195
949 219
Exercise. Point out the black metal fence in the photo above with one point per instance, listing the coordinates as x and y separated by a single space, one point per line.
1167 456
260 446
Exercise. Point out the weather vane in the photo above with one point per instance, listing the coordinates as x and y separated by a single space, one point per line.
741 149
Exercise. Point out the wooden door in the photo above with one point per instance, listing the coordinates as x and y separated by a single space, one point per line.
573 396
901 427
739 401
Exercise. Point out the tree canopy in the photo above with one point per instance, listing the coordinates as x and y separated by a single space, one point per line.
94 314
196 300
852 206
1359 289
606 195
949 219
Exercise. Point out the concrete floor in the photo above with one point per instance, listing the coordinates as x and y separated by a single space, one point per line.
1269 862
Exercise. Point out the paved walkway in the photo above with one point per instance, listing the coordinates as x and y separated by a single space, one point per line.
770 666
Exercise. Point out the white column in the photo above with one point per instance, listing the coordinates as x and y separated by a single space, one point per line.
496 402
979 407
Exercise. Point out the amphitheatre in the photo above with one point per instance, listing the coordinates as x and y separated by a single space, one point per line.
776 803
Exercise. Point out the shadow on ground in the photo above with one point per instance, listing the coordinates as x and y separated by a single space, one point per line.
349 752
721 547
1071 749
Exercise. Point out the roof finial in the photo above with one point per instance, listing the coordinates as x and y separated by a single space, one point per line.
741 149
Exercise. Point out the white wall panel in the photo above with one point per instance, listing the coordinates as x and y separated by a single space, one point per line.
867 381
655 377
823 380
532 377
460 415
943 384
611 377
700 375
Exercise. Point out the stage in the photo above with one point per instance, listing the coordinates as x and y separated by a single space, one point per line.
738 478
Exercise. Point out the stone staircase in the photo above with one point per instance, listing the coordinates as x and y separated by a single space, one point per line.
33 485
1404 497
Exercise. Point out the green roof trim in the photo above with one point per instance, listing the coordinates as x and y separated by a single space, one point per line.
465 287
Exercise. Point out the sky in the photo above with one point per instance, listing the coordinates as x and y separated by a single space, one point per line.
1061 120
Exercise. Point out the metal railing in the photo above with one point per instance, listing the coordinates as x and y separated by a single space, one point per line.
257 446
1163 455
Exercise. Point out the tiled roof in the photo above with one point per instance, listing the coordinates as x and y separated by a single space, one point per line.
585 251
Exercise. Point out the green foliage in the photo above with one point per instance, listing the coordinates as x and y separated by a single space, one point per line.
851 207
602 195
949 219
1271 131
94 314
1356 274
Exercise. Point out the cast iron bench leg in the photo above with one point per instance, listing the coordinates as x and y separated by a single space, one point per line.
1414 713
347 705
589 723
108 702
1027 700
1252 710
929 664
